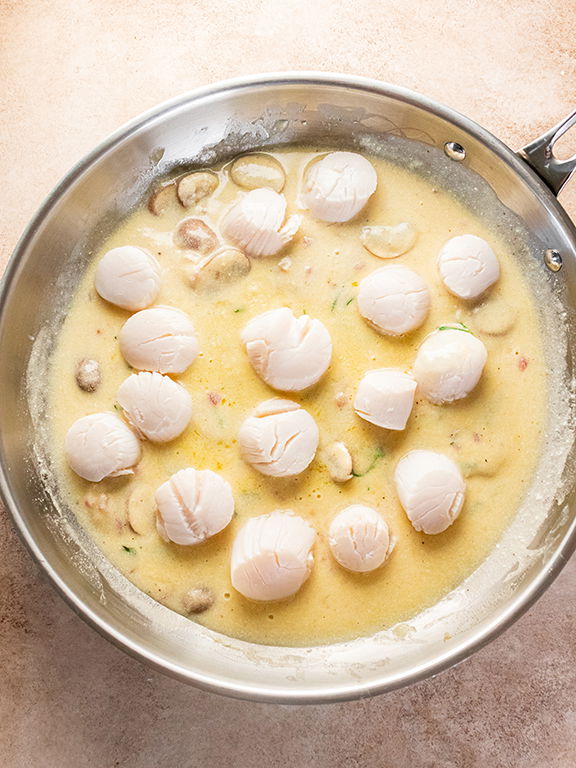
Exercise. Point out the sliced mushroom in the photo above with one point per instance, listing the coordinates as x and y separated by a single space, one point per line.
198 600
225 266
88 375
388 242
258 170
495 317
162 198
338 462
196 235
141 510
196 186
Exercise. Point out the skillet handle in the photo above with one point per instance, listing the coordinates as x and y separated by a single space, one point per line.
539 155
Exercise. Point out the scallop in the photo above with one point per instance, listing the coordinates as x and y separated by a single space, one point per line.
448 364
272 556
159 339
101 445
158 408
258 170
279 439
388 242
288 353
431 490
385 397
193 505
468 266
338 186
359 538
257 223
196 186
128 277
394 300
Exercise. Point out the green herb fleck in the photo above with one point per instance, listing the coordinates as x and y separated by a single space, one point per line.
240 309
116 407
378 454
131 550
350 301
116 338
455 327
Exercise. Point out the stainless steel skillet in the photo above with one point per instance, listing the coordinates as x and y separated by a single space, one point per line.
205 125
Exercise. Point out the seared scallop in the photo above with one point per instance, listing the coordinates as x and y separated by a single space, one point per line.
279 439
338 186
359 538
394 300
128 277
101 445
159 339
158 408
431 490
257 223
193 505
449 364
272 556
385 398
468 266
288 353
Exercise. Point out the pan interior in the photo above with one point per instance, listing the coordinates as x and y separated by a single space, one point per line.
334 119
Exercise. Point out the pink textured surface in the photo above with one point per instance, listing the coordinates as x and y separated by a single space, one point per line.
71 72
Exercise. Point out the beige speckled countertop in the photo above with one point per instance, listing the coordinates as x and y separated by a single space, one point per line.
71 71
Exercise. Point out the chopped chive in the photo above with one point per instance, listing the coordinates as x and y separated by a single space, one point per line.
240 309
350 301
455 327
131 550
378 454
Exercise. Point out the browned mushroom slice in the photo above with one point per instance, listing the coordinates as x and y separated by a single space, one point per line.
198 600
195 186
140 505
225 266
258 170
195 235
88 375
163 198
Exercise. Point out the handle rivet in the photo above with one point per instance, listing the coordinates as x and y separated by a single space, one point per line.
454 151
553 260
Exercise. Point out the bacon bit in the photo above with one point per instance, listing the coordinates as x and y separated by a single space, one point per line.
308 270
119 525
476 437
359 266
523 363
306 241
214 398
340 399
